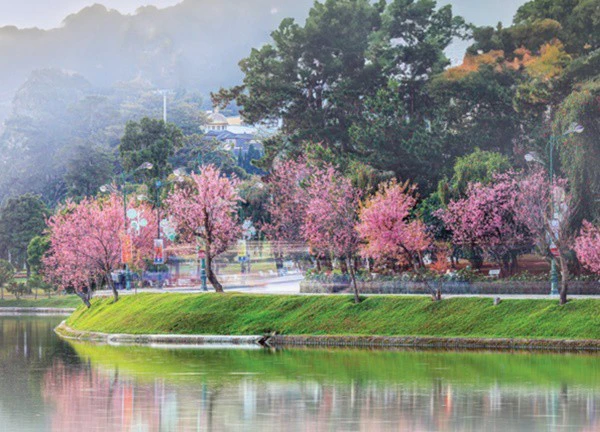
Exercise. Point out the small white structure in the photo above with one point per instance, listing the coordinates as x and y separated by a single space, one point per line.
216 121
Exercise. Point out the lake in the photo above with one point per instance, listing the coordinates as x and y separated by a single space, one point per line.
48 384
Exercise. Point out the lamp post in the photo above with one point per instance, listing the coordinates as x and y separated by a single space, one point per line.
532 157
178 173
202 248
109 188
159 257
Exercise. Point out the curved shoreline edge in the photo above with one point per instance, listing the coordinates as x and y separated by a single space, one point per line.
280 341
64 331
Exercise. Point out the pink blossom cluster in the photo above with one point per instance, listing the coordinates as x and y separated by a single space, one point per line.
330 216
489 218
587 247
288 201
386 228
85 241
206 209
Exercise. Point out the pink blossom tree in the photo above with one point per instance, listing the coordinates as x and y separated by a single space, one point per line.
587 247
85 244
328 225
387 231
487 219
547 210
287 204
205 209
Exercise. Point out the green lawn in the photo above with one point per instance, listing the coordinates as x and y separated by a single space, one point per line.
240 314
62 301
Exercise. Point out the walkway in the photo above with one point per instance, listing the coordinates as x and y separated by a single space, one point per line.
291 285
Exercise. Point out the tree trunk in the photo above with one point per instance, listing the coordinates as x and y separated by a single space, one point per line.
326 263
112 286
354 286
564 278
344 266
212 277
84 296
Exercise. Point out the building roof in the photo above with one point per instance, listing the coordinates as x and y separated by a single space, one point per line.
219 134
216 118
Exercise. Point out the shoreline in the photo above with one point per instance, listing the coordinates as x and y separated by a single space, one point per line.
7 311
377 321
64 331
283 341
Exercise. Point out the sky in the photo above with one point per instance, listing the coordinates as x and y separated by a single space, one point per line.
50 13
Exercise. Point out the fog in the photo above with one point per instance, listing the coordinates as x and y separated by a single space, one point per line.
80 81
195 44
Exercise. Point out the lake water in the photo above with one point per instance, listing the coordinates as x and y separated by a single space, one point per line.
47 384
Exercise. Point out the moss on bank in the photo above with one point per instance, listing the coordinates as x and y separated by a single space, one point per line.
243 314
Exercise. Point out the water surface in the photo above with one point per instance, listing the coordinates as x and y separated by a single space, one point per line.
47 384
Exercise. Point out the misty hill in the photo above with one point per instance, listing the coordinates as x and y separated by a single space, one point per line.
56 112
195 44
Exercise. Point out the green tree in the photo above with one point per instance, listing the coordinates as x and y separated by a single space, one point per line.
477 108
21 219
36 249
7 274
152 141
390 139
479 166
312 77
580 153
36 282
198 151
17 289
255 199
579 21
88 168
354 79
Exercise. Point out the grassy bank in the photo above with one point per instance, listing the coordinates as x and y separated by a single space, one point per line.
68 301
239 314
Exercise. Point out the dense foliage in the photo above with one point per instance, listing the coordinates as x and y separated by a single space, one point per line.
367 104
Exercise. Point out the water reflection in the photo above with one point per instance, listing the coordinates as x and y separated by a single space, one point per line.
47 384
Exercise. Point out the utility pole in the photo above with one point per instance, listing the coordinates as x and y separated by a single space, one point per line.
164 93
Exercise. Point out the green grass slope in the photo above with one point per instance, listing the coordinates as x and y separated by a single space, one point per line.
241 314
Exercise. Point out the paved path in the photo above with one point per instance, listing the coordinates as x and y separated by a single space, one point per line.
275 285
291 285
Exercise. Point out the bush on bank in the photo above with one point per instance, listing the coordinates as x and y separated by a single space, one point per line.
243 314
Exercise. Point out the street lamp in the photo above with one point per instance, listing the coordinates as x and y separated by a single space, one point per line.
179 174
534 157
112 189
